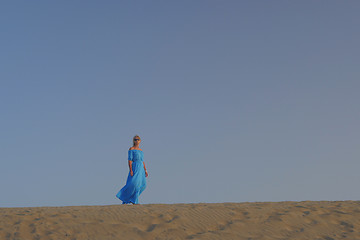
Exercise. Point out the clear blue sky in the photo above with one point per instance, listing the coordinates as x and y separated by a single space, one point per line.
235 101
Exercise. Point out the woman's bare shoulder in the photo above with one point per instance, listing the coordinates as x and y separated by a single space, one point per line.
132 148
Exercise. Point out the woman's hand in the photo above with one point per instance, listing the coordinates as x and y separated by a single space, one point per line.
131 173
146 174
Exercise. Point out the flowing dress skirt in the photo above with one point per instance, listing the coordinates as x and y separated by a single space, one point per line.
135 184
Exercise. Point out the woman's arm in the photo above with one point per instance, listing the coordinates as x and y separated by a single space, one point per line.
144 165
146 173
130 167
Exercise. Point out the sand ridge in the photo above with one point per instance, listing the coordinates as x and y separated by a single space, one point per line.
325 220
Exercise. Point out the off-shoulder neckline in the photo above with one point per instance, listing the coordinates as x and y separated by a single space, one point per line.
135 149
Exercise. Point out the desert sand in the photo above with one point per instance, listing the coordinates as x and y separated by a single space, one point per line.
325 220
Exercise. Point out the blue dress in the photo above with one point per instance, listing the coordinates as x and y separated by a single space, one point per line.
135 184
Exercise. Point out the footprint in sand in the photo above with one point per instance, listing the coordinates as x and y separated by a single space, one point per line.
151 227
8 236
306 213
348 226
175 217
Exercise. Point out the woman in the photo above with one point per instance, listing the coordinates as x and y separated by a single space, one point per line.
136 180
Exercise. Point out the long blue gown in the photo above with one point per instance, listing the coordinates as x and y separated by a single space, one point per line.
135 184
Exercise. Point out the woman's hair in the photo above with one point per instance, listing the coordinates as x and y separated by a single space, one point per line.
134 138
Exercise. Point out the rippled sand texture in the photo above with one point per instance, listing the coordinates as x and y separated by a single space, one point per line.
325 220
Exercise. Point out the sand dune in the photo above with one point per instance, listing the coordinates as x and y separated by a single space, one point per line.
325 220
